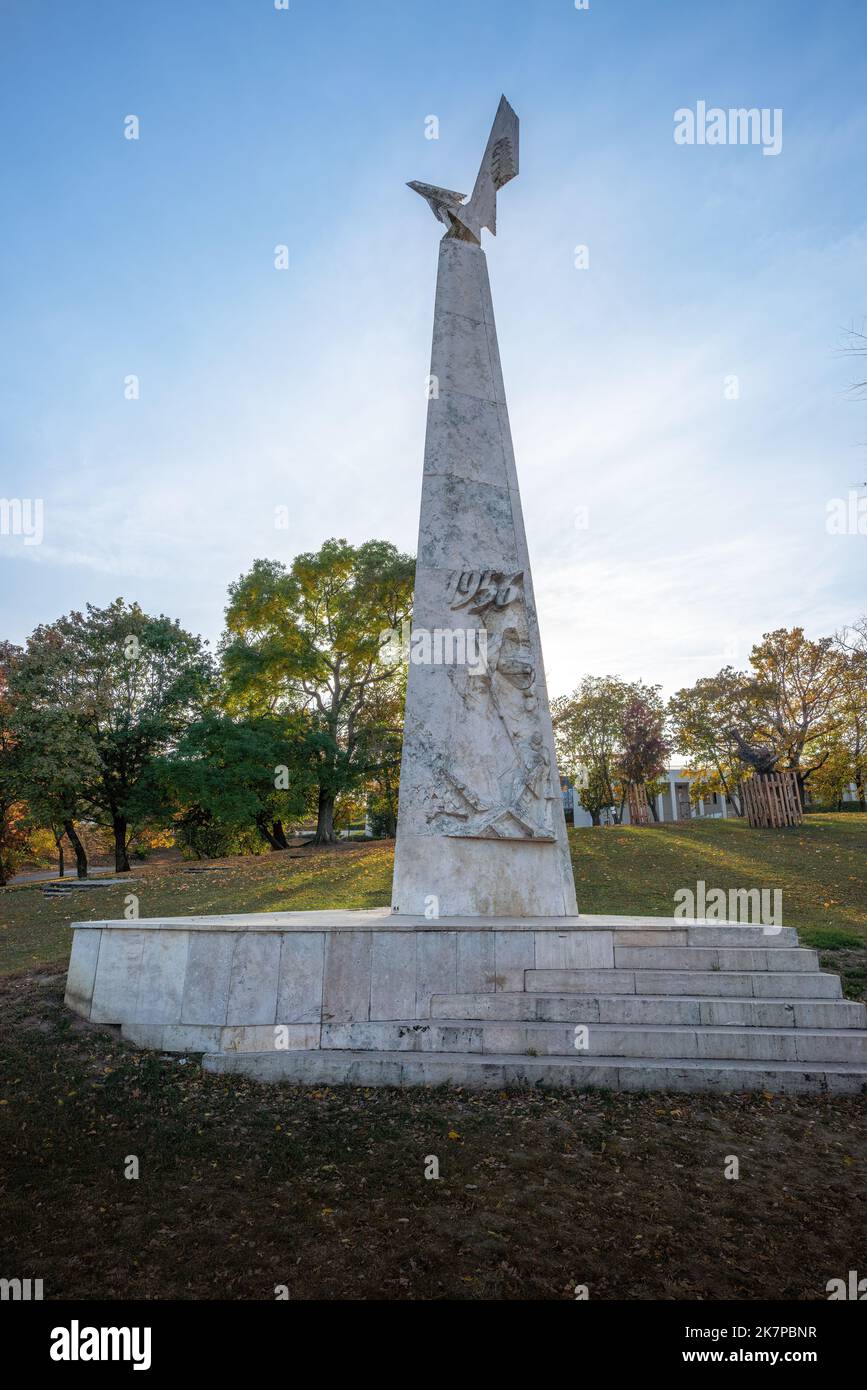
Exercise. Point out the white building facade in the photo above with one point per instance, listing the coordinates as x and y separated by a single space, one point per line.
672 804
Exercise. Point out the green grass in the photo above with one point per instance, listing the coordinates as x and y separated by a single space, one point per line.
821 868
34 930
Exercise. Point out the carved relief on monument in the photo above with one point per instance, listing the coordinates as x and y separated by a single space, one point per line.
498 737
478 590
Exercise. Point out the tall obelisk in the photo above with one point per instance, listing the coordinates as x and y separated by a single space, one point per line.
480 827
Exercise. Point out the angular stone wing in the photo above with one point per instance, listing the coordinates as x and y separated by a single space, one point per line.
502 150
441 201
499 165
465 220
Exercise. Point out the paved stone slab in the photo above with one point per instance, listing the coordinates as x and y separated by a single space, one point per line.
268 1037
764 938
253 980
173 1037
581 982
393 976
436 969
476 962
161 982
385 919
712 958
514 954
610 1040
118 971
346 988
409 1036
82 971
665 1010
644 936
575 950
302 972
206 985
335 1068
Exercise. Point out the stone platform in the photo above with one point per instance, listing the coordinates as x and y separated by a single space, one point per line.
378 998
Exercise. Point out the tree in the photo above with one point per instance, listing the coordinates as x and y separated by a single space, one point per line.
54 767
853 646
857 340
786 713
13 835
595 791
829 782
383 742
307 639
588 729
702 718
610 732
796 692
656 787
55 762
644 747
113 690
235 774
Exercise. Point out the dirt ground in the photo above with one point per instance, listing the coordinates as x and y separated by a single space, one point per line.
244 1188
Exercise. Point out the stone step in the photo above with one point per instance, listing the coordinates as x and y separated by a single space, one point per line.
602 1039
744 984
760 937
756 937
671 1010
713 958
483 1071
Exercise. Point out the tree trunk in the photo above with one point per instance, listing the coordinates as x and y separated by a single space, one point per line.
61 861
80 851
325 832
802 785
279 835
266 833
391 818
121 858
651 802
594 817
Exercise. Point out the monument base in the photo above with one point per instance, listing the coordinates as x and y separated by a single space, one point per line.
377 998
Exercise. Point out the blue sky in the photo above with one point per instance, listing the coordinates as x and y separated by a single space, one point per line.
304 388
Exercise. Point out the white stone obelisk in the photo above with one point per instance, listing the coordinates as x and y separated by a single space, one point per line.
480 823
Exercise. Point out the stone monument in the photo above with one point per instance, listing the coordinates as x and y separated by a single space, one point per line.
480 828
482 973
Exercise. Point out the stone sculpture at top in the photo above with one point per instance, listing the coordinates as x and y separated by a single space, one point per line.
480 821
499 165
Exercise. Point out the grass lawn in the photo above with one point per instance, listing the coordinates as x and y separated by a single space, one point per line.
821 868
242 1188
35 930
